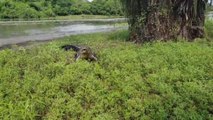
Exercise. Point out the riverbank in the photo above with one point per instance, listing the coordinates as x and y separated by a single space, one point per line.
157 80
87 17
64 18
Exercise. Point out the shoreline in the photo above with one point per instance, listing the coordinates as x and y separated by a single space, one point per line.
74 20
64 18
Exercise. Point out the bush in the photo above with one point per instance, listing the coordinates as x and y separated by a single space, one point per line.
44 8
209 29
13 10
153 81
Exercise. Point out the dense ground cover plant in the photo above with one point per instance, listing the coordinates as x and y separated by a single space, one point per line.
209 29
172 80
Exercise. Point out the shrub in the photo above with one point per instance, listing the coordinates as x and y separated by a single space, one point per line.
153 81
209 29
17 10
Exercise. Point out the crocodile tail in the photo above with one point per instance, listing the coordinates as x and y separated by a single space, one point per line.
68 47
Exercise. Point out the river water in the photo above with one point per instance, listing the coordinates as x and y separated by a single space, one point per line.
25 31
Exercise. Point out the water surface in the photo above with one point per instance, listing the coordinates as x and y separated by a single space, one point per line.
25 31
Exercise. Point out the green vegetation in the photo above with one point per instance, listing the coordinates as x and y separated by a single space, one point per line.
209 8
159 80
209 29
81 17
61 18
27 9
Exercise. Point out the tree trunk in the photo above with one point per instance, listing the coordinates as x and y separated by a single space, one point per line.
151 20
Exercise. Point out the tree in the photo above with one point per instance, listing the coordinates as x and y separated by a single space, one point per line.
106 7
12 10
165 19
26 9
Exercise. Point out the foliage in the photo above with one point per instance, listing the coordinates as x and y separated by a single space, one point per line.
153 81
209 29
109 7
10 9
82 17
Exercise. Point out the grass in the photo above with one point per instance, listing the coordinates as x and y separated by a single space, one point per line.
69 17
209 28
172 80
209 8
